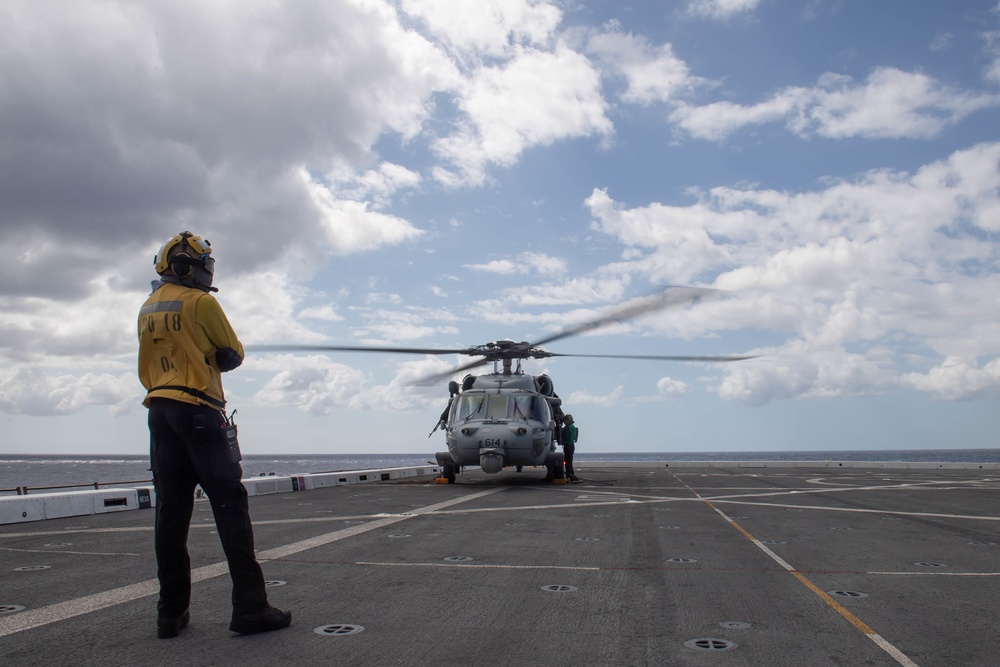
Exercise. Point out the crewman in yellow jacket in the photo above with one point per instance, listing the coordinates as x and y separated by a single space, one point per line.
185 344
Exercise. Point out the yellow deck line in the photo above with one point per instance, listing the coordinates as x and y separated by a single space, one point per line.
880 641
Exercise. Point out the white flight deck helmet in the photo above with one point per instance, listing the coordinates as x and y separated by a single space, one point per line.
189 258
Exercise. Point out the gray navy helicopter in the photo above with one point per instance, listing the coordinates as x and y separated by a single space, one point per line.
508 418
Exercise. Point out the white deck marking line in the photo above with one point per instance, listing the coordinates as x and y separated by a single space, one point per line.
486 566
879 641
60 611
922 486
939 574
73 531
634 499
937 515
72 553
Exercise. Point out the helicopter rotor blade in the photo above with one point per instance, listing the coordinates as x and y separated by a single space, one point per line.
674 297
353 348
662 357
432 379
492 352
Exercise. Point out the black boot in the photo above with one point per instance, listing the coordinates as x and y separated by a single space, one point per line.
168 627
265 620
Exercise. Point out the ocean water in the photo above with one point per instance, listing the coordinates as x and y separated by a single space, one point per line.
67 472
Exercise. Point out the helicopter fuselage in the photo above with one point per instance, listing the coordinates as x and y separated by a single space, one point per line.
502 420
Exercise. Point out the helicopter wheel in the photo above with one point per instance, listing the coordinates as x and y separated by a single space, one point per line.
448 472
519 468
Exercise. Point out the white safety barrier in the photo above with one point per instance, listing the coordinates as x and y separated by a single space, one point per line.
39 506
17 509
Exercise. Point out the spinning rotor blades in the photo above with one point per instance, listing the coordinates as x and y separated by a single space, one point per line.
350 348
674 297
677 296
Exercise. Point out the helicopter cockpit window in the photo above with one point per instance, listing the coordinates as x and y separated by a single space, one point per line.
524 407
520 407
467 407
497 407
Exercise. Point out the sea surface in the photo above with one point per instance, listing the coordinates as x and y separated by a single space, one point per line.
39 472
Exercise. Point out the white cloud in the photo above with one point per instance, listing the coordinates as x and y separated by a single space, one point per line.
586 398
199 114
543 264
317 385
653 74
501 266
958 379
890 104
35 391
668 386
801 370
326 313
377 185
891 261
383 326
721 9
349 226
487 30
535 99
526 262
262 308
574 291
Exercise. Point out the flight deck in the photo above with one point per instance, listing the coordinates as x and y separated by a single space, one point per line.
639 564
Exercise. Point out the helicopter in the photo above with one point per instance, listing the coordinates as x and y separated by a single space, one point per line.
508 418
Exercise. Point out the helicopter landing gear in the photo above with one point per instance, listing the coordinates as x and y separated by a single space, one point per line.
518 468
556 471
448 468
448 473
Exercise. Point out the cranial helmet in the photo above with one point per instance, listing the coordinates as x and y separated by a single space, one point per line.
189 258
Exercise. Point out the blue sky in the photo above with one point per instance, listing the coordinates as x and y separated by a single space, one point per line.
426 173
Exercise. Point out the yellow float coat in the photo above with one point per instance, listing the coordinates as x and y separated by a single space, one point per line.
180 329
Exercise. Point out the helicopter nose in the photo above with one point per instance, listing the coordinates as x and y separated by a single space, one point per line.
491 463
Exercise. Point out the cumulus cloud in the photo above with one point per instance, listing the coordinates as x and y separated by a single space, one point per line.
122 120
721 9
804 370
524 263
652 73
670 387
856 274
890 104
501 266
317 385
534 99
34 391
327 313
474 30
586 398
376 185
958 379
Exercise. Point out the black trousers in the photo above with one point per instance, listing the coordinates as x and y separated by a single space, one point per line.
181 459
568 458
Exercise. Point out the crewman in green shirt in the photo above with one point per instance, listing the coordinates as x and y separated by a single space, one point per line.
570 434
